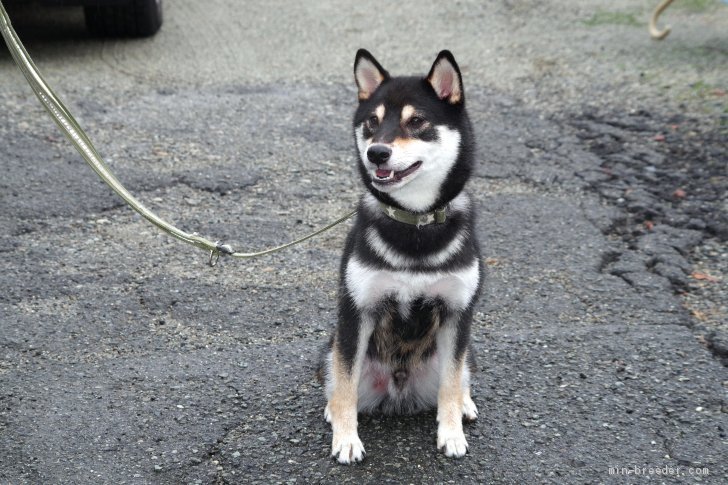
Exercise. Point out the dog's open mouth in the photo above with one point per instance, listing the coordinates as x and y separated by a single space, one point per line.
386 177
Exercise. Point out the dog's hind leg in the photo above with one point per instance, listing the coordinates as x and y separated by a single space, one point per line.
347 358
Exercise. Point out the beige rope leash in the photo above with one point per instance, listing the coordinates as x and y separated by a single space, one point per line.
70 127
655 32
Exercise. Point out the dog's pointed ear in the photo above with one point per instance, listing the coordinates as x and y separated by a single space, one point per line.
445 78
369 74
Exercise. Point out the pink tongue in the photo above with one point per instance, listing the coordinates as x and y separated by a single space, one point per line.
383 173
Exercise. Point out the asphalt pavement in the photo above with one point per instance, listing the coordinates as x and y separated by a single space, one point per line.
602 332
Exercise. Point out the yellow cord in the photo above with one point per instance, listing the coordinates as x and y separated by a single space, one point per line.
70 127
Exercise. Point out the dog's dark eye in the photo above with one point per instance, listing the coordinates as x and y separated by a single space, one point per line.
415 122
373 122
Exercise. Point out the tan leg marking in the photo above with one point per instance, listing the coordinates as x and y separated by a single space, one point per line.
346 445
341 410
470 410
450 398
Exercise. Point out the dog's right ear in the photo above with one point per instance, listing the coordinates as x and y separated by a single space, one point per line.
369 74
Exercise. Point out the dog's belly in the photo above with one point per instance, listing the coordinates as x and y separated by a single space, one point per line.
401 371
369 286
381 389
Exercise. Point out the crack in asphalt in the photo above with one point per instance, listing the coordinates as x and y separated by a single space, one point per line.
646 185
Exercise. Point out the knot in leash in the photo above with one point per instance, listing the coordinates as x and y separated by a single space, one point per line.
215 253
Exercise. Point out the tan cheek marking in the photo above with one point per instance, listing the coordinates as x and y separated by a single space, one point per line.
379 112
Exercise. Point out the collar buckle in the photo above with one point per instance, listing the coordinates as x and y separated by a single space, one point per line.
438 216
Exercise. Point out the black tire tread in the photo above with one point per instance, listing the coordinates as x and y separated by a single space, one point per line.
140 18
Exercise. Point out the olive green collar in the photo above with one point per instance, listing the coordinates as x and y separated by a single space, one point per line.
437 216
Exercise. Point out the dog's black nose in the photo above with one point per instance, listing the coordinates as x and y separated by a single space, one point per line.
379 154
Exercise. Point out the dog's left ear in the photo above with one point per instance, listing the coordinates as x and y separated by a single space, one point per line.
445 78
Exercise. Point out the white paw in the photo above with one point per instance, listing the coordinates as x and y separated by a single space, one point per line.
452 442
470 411
347 449
327 414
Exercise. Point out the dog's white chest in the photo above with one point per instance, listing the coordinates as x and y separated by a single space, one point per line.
368 286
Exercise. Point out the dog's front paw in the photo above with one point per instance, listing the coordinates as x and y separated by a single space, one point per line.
470 411
347 448
452 442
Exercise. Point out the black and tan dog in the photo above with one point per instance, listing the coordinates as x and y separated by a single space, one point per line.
411 270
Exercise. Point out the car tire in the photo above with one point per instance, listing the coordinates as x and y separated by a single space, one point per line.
137 18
